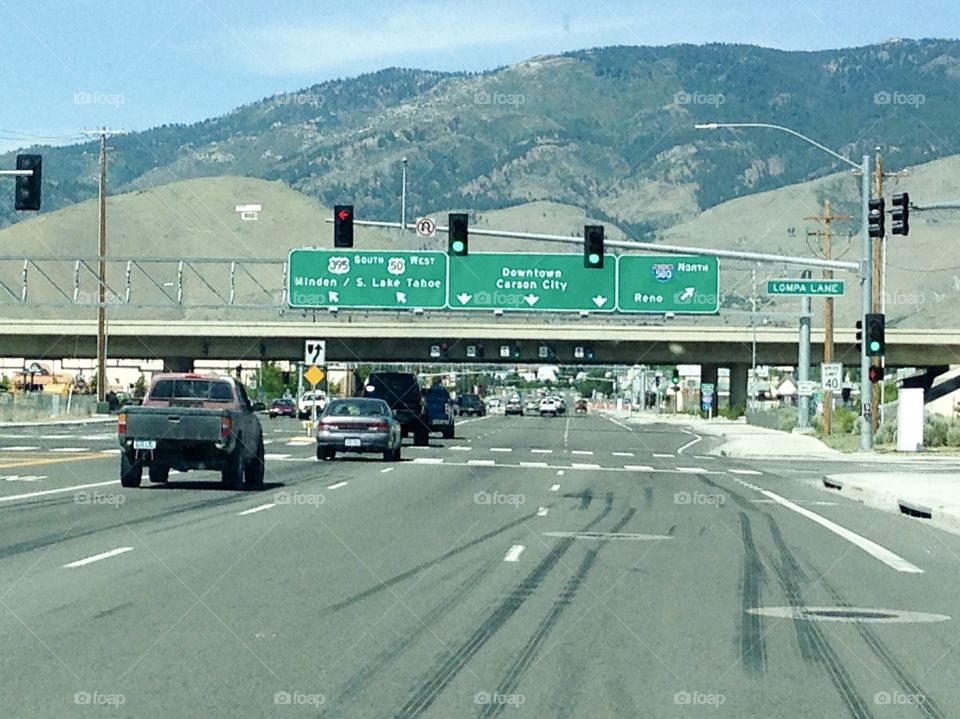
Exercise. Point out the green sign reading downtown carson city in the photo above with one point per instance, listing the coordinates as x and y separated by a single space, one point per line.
668 283
530 281
348 278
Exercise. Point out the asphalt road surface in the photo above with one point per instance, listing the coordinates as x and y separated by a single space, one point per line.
531 567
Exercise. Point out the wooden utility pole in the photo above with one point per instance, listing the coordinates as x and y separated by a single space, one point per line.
102 270
826 234
879 275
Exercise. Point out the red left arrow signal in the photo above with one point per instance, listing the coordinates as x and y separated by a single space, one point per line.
343 214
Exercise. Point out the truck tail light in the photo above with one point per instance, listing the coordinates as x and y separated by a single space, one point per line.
122 423
226 426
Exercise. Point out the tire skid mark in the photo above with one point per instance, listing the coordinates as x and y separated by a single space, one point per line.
396 579
372 667
454 662
814 647
522 663
753 647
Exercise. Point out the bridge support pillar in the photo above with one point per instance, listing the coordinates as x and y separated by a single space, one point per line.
178 364
739 373
708 374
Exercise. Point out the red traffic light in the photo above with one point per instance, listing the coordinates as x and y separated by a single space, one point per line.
343 214
875 374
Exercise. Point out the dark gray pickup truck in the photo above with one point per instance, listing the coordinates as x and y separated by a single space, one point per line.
192 421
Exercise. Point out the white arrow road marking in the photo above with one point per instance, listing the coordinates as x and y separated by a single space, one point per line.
870 547
98 557
464 298
254 510
599 300
514 553
531 299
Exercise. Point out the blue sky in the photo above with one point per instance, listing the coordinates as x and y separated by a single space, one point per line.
133 64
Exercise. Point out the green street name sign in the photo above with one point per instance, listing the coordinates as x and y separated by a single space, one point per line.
805 287
533 282
348 278
668 283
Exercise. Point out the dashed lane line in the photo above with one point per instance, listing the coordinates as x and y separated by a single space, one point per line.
261 508
97 557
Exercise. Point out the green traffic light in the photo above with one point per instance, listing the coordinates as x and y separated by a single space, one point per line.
458 246
594 258
874 346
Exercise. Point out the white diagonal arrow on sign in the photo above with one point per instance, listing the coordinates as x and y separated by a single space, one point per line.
687 294
464 298
599 300
531 299
402 298
333 296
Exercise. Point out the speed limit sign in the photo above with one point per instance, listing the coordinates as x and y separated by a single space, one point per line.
831 376
426 227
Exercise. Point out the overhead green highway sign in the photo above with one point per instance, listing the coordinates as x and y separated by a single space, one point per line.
688 284
537 282
805 287
368 279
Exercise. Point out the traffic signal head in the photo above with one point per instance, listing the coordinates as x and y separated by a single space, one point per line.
675 379
27 190
876 218
457 233
593 247
859 344
343 226
875 335
901 214
875 374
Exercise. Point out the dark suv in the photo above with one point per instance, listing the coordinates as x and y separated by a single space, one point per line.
402 391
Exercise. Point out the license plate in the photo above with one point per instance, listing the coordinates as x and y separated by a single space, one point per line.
353 441
144 444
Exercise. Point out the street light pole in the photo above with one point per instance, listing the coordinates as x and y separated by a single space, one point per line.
866 259
403 198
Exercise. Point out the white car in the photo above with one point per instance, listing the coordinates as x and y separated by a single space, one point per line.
548 405
307 402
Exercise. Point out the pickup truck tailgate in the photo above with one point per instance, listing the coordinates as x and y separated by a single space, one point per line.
174 423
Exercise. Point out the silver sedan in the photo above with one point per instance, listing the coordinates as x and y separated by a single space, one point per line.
358 425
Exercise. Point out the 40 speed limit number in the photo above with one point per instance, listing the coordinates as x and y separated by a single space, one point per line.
831 376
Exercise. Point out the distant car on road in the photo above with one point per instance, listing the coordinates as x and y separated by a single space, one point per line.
471 404
549 406
308 400
494 403
514 406
358 425
531 407
580 407
283 407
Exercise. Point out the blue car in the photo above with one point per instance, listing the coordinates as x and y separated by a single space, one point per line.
441 410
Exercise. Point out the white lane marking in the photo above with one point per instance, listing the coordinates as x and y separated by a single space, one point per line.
690 469
554 487
98 557
618 422
581 451
387 469
638 467
542 451
513 554
663 456
337 485
18 449
484 462
460 448
23 477
254 510
703 456
607 535
475 419
275 456
96 437
542 511
560 472
45 492
428 460
872 548
566 432
500 449
71 449
808 502
110 451
575 465
623 454
745 471
696 438
534 464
